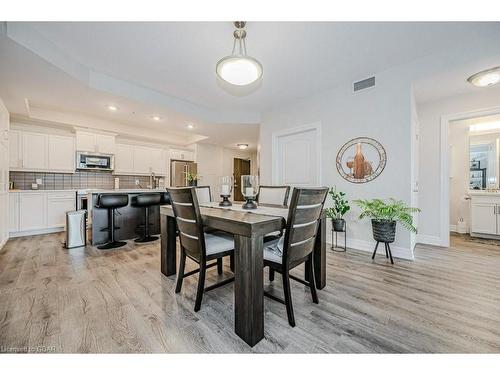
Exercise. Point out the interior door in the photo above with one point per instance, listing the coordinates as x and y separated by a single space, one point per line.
241 167
297 158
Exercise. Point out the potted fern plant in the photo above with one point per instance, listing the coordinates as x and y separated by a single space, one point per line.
338 210
385 215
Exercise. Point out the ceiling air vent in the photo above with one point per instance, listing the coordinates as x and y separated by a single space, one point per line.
364 84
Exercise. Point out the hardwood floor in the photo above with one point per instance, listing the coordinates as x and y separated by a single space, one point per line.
52 299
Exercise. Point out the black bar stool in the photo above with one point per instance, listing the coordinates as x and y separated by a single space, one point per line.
111 202
146 200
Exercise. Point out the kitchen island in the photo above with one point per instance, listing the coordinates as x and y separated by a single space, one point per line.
129 220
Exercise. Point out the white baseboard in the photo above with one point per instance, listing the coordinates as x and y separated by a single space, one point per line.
453 228
35 232
429 240
369 246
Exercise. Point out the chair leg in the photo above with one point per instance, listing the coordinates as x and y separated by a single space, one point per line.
375 251
288 298
201 286
180 276
388 248
271 274
386 253
231 262
312 283
219 266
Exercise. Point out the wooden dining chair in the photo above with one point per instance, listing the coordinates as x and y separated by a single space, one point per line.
273 195
197 245
306 206
203 194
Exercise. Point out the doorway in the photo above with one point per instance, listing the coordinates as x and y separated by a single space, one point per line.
241 167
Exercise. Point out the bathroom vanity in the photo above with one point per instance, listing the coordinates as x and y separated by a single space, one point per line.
485 214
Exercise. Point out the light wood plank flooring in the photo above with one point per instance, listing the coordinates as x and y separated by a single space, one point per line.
86 300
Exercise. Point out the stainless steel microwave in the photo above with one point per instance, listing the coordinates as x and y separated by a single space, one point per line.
94 161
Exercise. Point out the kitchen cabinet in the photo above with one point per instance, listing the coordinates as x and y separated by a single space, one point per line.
95 142
32 211
124 159
61 153
40 152
58 203
15 149
176 154
34 151
140 160
13 212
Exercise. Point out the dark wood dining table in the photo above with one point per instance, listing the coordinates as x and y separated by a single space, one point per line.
248 229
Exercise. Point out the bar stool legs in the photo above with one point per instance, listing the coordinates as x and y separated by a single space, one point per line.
111 233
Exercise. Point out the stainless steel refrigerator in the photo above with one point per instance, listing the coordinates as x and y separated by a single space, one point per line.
179 171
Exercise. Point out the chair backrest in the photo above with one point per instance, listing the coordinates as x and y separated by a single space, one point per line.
203 194
275 195
187 215
305 210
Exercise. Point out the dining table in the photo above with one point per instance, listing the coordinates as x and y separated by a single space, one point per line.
248 228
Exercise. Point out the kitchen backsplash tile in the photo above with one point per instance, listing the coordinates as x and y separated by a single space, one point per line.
78 180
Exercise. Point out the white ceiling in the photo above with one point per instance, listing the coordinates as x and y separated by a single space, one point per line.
168 68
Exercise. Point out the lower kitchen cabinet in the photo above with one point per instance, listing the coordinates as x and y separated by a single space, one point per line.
39 212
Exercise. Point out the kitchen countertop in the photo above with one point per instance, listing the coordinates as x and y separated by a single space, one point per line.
42 191
483 192
131 191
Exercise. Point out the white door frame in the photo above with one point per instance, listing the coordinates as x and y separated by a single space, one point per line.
299 129
445 165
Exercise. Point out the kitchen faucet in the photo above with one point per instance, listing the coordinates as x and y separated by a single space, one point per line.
152 181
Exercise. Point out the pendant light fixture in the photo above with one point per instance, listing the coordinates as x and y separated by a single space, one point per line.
238 68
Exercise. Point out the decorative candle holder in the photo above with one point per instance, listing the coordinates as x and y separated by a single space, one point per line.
225 189
249 187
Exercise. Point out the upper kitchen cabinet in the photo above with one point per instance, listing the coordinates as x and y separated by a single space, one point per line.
181 155
95 142
40 152
140 160
34 151
61 153
124 159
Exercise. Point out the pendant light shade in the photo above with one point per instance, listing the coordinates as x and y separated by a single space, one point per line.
238 68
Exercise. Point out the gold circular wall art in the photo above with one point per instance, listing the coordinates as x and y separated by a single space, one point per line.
361 160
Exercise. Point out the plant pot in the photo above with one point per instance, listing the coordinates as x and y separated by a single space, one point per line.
193 183
338 225
384 230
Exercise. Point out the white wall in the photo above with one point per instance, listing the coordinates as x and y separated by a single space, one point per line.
382 113
214 161
4 174
429 166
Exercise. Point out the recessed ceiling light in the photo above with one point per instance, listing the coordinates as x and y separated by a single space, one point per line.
156 118
112 107
242 146
485 78
190 126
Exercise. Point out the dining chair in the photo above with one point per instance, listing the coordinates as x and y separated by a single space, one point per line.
203 194
273 195
297 244
276 196
197 245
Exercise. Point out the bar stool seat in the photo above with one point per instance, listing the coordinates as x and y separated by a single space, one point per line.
146 200
111 202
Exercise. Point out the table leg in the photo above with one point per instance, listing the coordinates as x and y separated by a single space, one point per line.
249 289
168 245
319 256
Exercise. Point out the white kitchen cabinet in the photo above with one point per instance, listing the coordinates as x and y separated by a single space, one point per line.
176 154
124 159
142 160
61 154
484 218
34 151
32 211
13 212
15 147
158 161
58 203
95 142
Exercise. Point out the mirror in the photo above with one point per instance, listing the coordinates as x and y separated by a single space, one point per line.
484 161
